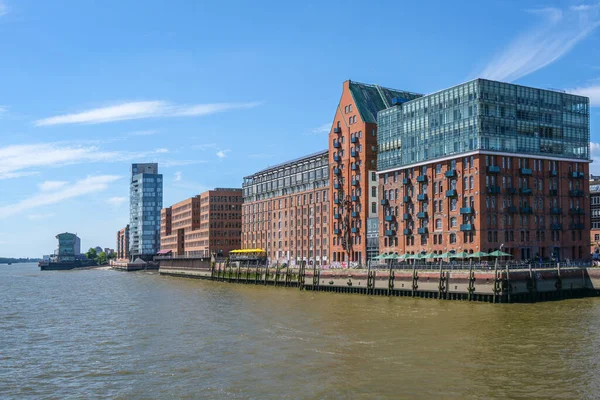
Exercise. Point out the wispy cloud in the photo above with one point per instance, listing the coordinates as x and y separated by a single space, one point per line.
222 153
180 163
19 160
319 130
595 156
37 217
47 186
143 133
3 8
177 176
3 110
116 201
593 92
556 35
91 184
161 150
141 110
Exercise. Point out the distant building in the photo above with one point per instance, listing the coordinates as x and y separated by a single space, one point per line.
595 212
207 224
98 249
123 244
108 251
145 196
69 246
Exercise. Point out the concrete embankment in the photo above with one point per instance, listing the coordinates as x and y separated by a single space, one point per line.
502 286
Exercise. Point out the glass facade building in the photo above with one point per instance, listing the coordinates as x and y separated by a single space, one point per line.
484 115
69 246
145 203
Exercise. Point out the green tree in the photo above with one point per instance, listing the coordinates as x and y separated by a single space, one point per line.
91 254
101 259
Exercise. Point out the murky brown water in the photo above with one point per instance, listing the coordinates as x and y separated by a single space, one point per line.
107 334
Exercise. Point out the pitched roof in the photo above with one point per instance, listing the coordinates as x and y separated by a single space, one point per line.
370 99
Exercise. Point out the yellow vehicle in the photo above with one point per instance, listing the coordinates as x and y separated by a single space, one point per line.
248 255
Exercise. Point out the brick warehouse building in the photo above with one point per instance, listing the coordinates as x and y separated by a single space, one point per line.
353 166
286 210
483 164
123 244
207 224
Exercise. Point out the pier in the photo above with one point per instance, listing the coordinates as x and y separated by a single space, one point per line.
509 284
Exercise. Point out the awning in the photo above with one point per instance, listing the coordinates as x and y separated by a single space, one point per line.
161 252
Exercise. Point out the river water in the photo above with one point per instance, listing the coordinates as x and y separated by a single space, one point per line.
109 334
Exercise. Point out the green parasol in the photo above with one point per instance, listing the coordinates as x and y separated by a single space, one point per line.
478 254
499 253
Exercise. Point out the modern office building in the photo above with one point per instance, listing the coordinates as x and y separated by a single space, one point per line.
123 244
485 164
203 225
353 166
69 246
145 203
286 210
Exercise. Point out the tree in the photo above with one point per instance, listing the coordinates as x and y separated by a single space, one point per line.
91 254
101 259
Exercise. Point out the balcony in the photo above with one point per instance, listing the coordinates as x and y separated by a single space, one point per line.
422 215
354 153
511 190
466 227
577 226
493 169
354 167
576 193
337 158
337 130
553 173
354 198
384 202
511 209
553 192
577 175
353 139
422 197
451 173
493 189
337 201
406 181
354 230
337 171
526 191
576 211
337 231
336 144
526 210
389 218
336 185
355 182
406 199
451 193
466 210
354 214
337 216
556 210
406 217
390 232
423 231
556 227
407 231
422 178
525 171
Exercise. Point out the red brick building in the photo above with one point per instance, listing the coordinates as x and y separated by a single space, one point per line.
207 224
123 244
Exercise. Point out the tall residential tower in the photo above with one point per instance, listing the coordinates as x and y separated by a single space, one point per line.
145 203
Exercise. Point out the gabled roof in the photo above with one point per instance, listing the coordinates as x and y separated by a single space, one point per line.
370 99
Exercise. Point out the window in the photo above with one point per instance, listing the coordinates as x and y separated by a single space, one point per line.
453 222
374 176
438 224
373 207
373 191
452 238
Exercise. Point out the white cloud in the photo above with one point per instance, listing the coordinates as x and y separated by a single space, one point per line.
18 160
222 153
325 128
51 185
161 150
595 156
545 43
143 133
3 8
116 201
37 217
177 176
140 110
593 92
91 184
179 163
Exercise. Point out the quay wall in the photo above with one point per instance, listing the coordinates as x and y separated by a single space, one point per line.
502 286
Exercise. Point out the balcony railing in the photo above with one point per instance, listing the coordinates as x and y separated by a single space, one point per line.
354 153
390 232
466 227
355 182
423 231
526 191
337 231
422 197
451 193
384 202
576 211
553 192
556 210
466 210
511 190
355 198
577 175
337 130
576 193
336 144
450 174
337 171
354 214
354 230
422 215
526 210
406 181
526 171
511 209
577 226
337 216
556 227
422 178
337 158
336 185
353 139
493 169
406 217
354 167
493 189
407 231
389 218
406 199
553 173
337 201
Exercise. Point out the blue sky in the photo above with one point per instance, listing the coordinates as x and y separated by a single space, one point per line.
216 90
